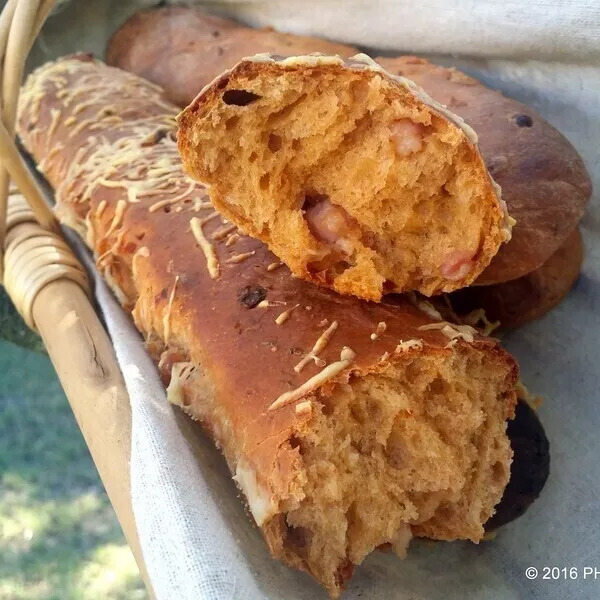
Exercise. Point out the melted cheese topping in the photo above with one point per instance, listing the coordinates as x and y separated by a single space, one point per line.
347 357
319 346
212 262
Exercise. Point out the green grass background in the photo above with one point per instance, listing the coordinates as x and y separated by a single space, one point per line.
59 537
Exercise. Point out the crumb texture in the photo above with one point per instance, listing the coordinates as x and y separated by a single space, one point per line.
419 448
350 178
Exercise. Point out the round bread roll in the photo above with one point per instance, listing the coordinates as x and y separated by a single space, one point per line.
354 178
543 179
182 49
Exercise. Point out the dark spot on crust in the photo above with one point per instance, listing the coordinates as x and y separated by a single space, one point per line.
220 51
162 295
251 295
523 120
295 350
239 97
216 33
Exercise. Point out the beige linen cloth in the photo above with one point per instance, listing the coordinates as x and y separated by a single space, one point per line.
197 540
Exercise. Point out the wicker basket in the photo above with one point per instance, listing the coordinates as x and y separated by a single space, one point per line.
50 287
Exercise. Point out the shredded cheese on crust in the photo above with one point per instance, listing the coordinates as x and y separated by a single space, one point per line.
223 232
319 346
117 218
212 262
238 258
304 408
285 315
409 345
381 327
167 312
452 331
347 357
231 239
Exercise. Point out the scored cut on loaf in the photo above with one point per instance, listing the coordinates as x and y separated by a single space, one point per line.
346 424
355 178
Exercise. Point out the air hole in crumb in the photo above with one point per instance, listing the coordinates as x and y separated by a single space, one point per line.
359 89
295 443
395 449
296 145
239 97
388 286
298 537
438 386
311 200
413 372
327 408
264 181
231 123
253 157
443 230
327 266
499 472
167 209
357 410
274 143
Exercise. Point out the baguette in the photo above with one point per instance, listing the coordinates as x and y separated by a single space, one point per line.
346 424
356 179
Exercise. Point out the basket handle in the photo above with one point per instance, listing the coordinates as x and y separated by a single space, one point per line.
20 24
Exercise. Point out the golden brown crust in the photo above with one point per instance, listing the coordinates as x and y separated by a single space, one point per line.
183 49
121 179
543 179
416 249
522 300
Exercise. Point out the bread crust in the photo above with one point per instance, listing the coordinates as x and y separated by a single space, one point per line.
528 298
544 181
396 256
103 138
183 49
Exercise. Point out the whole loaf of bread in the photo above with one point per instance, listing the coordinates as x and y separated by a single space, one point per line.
346 424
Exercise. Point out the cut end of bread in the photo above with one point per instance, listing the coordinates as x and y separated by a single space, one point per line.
416 449
355 178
